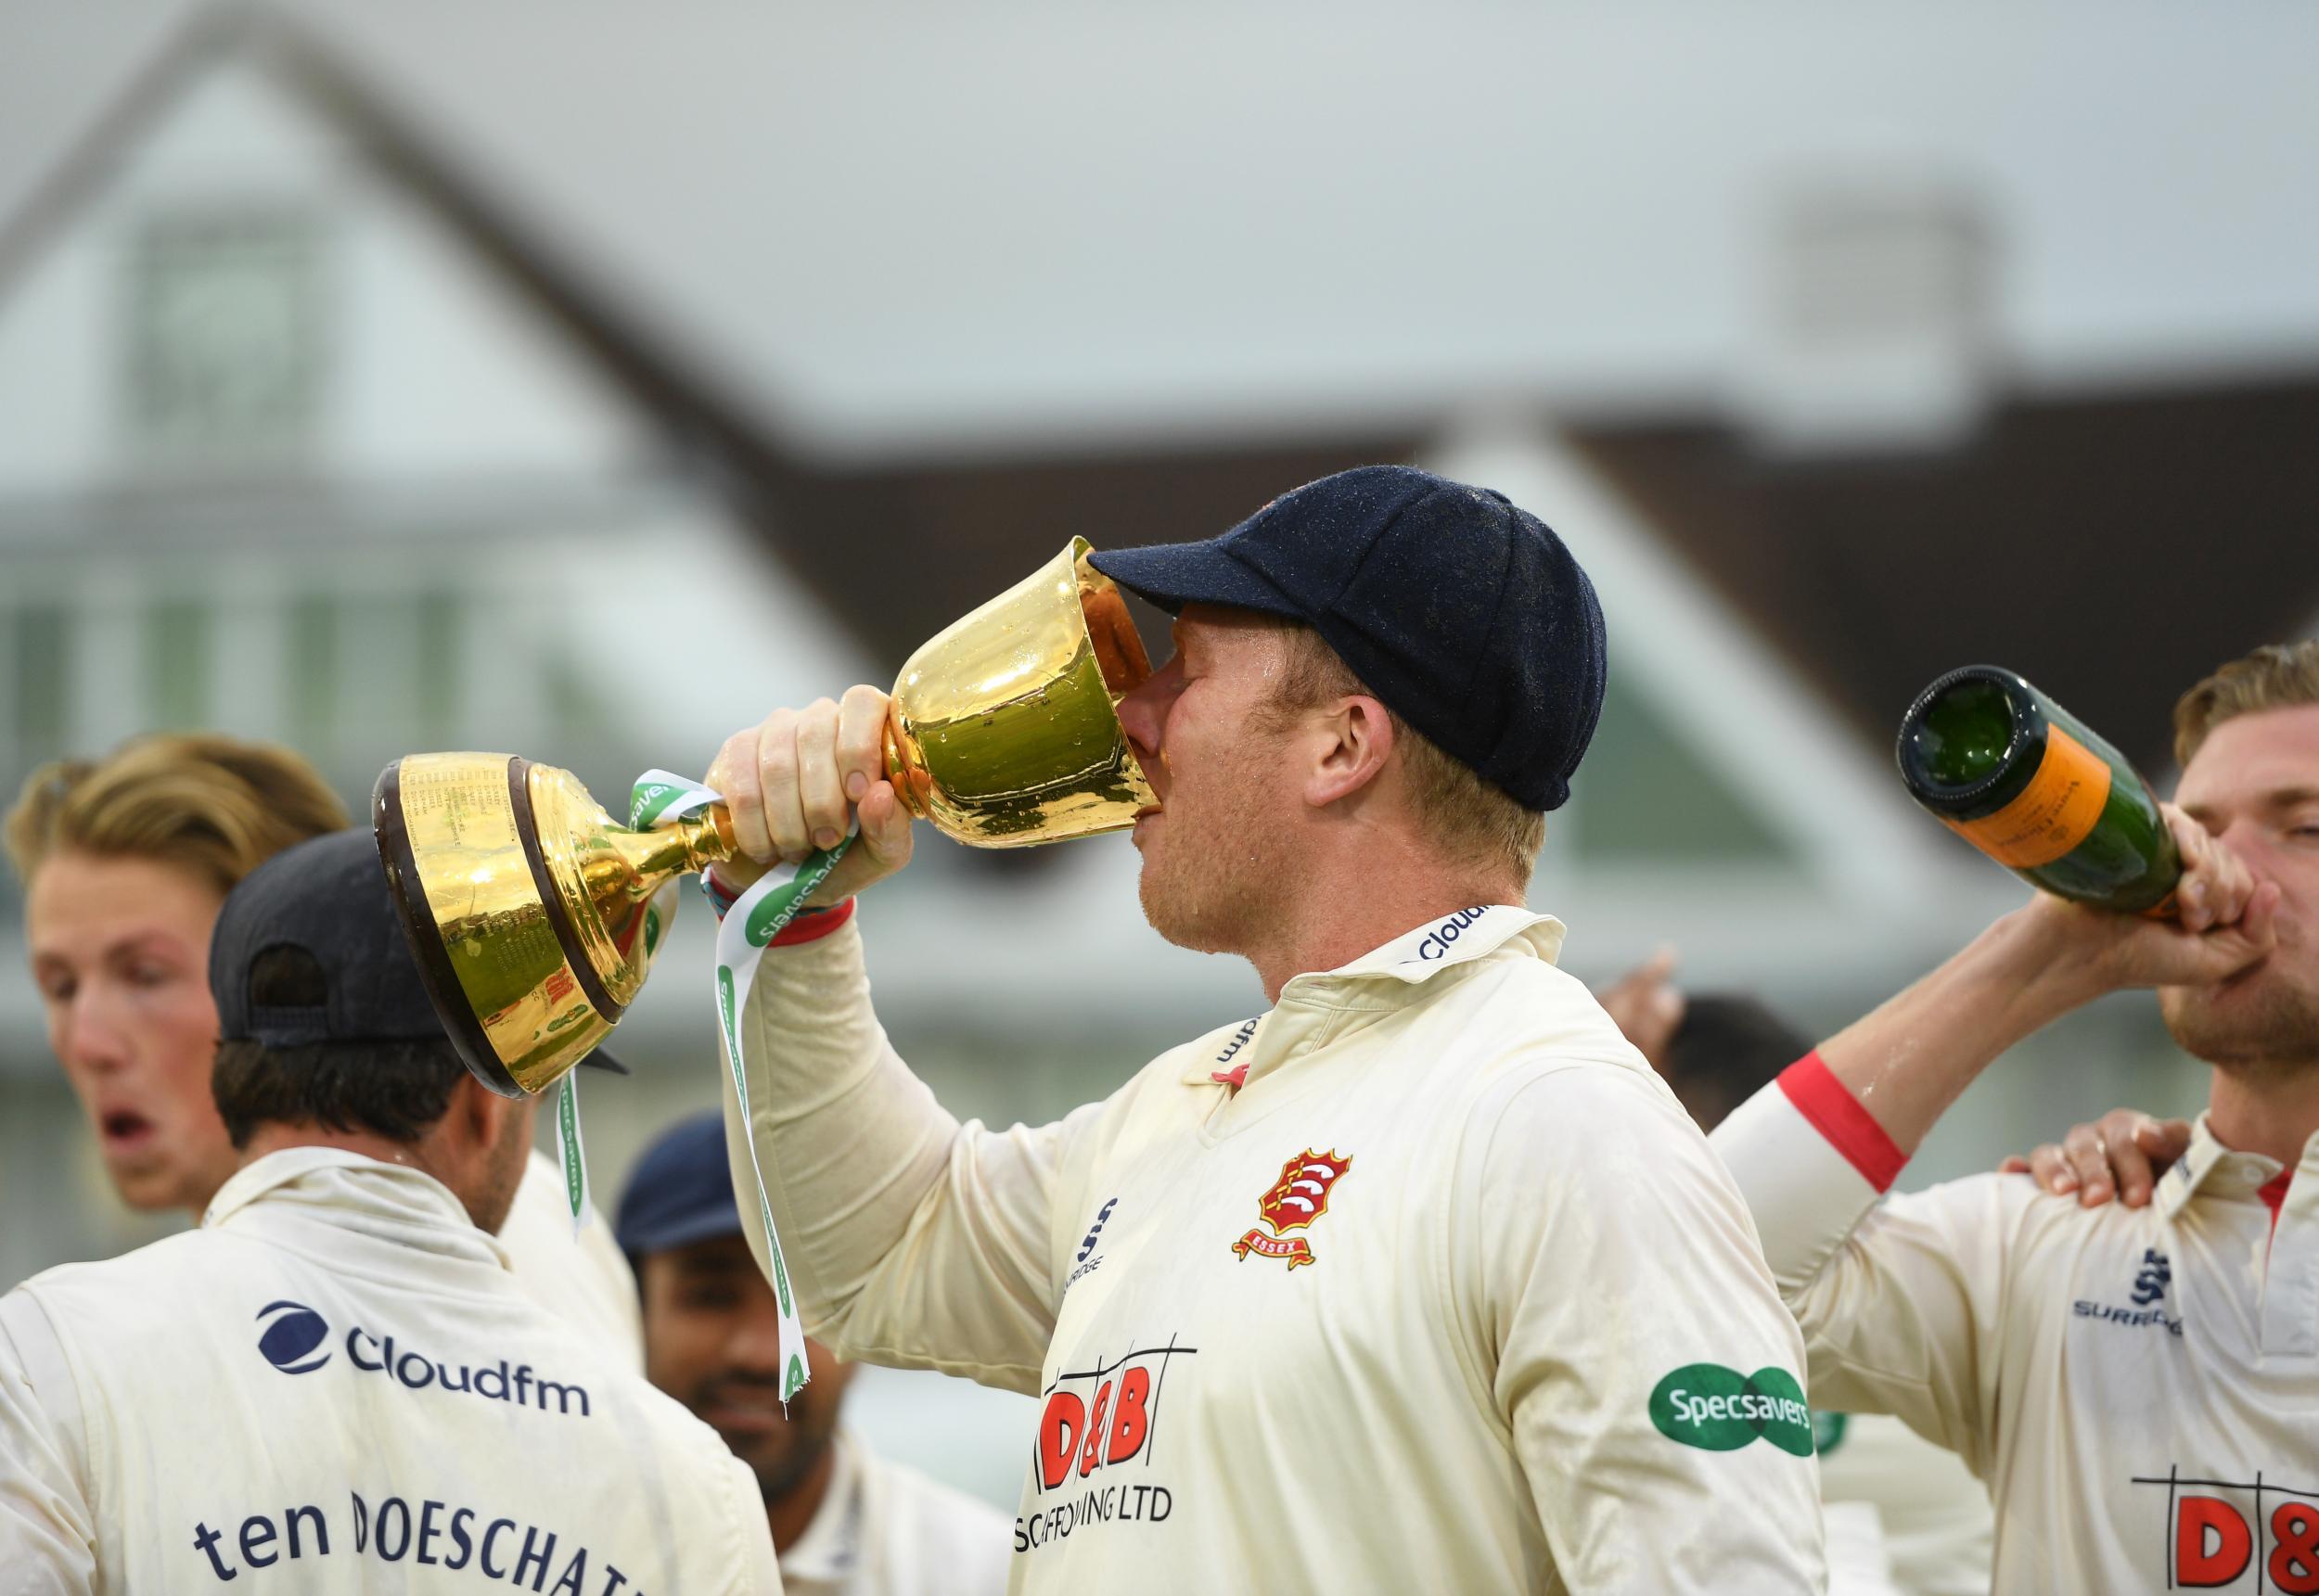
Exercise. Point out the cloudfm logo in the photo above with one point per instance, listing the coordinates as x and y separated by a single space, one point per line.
294 1335
292 1338
1439 941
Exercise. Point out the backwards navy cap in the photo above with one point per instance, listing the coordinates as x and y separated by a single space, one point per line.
1463 614
325 897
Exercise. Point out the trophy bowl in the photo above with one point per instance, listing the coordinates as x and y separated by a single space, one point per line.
534 916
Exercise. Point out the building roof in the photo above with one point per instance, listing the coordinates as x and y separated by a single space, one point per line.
954 288
2112 549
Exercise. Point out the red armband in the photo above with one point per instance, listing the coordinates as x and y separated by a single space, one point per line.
813 925
1836 1114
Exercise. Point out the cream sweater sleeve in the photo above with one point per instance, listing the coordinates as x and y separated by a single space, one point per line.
913 1240
47 1525
1624 1291
1902 1302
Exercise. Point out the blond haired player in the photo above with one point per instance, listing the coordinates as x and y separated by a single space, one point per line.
2139 1386
125 861
1418 1281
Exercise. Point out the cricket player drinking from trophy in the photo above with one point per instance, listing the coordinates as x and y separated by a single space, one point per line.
336 1384
2139 1386
1418 1281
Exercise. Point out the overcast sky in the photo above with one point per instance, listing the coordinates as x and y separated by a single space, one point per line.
922 221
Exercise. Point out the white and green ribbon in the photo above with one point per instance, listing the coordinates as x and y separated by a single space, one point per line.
573 1151
754 922
571 1147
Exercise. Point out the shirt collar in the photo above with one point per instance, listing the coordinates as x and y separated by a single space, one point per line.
356 1191
1386 977
831 1546
2222 1171
1423 952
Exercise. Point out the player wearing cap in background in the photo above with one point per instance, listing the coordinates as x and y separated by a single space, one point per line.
124 860
336 1384
1420 1280
845 1522
2140 1386
1904 1516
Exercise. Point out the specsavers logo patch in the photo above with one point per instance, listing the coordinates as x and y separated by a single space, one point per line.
1719 1409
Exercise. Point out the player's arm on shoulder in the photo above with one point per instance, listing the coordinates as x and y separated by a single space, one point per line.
1897 1296
48 1523
1650 1376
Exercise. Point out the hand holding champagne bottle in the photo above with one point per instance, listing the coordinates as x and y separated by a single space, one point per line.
2029 785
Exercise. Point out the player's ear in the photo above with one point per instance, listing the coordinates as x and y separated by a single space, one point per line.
1359 740
476 1116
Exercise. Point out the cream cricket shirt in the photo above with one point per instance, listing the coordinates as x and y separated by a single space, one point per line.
885 1529
585 1278
335 1385
1926 1517
1449 1295
2140 1387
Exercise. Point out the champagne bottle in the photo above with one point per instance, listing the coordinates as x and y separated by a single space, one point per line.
2023 780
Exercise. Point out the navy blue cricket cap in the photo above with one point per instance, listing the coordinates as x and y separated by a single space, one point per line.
1463 614
326 898
681 1191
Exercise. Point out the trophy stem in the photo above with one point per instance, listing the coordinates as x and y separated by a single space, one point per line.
708 837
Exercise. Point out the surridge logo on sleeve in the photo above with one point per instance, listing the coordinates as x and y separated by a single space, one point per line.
1088 1260
1299 1197
2151 1279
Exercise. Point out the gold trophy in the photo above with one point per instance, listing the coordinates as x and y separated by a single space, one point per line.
529 908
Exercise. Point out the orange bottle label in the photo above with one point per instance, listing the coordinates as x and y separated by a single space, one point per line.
2054 813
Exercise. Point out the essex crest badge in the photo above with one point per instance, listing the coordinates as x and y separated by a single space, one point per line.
1299 1197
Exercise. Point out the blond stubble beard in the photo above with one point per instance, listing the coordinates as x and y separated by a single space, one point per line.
2276 1035
1220 880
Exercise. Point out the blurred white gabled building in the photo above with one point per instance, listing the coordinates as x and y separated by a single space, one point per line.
303 436
582 382
284 453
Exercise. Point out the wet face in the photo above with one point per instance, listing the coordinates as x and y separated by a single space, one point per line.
121 955
2254 783
1214 853
712 1340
